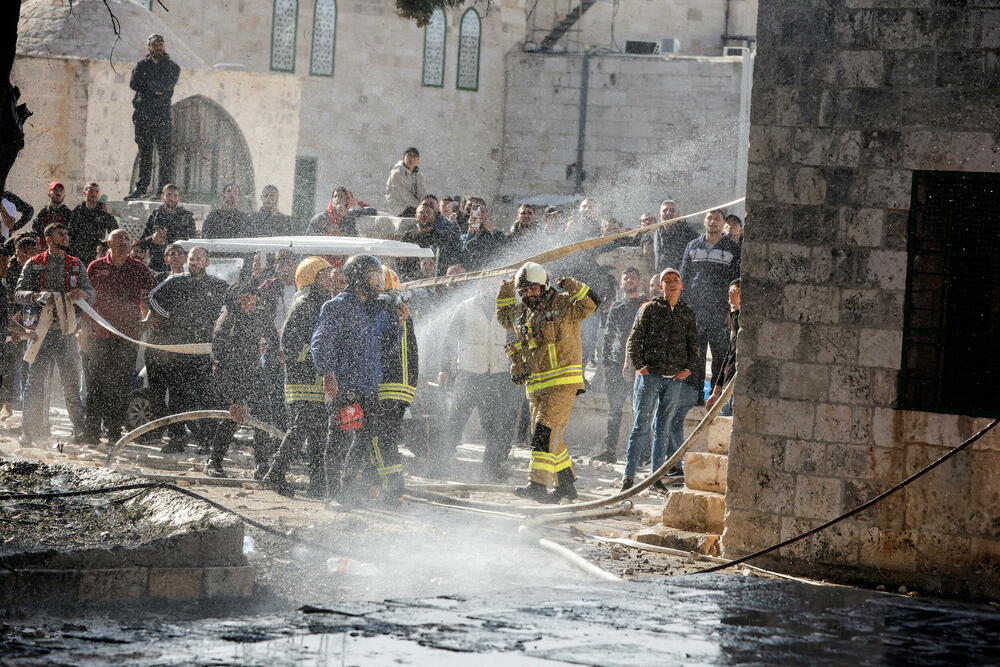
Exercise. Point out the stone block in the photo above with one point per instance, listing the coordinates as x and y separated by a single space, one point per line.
834 423
888 549
817 497
176 583
753 451
803 381
702 543
748 530
855 69
719 434
51 586
950 151
888 188
779 340
696 511
229 581
806 457
837 545
113 584
770 491
652 535
799 185
862 227
851 384
880 348
706 472
943 554
887 269
811 304
787 263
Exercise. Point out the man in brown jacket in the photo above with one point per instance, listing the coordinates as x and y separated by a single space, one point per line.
547 357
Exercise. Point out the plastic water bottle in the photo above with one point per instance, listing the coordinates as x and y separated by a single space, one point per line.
342 565
250 550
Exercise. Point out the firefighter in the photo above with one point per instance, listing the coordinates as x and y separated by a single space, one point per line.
346 349
547 358
316 282
396 391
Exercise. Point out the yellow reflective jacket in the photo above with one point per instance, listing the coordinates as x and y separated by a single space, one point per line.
549 334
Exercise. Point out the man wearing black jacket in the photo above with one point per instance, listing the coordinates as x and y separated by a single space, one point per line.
662 351
621 315
89 224
167 224
153 81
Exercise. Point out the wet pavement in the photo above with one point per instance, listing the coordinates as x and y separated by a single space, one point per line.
697 620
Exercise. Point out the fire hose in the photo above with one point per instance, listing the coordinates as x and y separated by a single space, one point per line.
183 417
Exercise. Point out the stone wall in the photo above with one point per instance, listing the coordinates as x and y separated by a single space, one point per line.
81 129
655 128
698 24
848 100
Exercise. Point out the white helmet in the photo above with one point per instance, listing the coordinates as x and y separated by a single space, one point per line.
531 273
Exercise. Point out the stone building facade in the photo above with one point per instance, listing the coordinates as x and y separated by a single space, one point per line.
655 128
860 114
362 84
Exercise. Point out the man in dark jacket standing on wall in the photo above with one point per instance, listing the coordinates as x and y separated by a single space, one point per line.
153 81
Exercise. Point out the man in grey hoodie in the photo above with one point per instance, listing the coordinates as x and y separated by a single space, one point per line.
405 187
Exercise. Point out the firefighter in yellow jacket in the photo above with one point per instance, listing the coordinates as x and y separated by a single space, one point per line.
547 358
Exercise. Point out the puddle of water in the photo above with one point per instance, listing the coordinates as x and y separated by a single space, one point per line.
335 650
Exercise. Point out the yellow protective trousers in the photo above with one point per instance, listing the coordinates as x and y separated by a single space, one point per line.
550 412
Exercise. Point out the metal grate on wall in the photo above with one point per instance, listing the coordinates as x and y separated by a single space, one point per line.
951 331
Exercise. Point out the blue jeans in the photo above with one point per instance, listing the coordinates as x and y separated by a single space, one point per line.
659 406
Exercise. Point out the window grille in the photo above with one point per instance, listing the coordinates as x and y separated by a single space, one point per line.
950 356
324 38
469 35
283 26
435 39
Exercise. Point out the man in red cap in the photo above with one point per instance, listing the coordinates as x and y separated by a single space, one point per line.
55 213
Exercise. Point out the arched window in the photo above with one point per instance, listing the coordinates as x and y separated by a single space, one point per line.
283 26
209 151
435 38
324 38
469 33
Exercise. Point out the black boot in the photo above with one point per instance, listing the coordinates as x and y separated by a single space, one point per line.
214 468
533 491
274 479
565 489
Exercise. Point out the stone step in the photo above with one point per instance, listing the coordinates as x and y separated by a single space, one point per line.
718 435
700 511
674 538
706 472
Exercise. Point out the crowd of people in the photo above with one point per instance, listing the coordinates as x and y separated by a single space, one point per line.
330 351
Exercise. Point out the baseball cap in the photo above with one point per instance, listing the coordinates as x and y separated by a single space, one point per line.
154 37
56 184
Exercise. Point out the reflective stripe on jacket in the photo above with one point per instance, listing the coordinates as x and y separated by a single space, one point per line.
399 364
